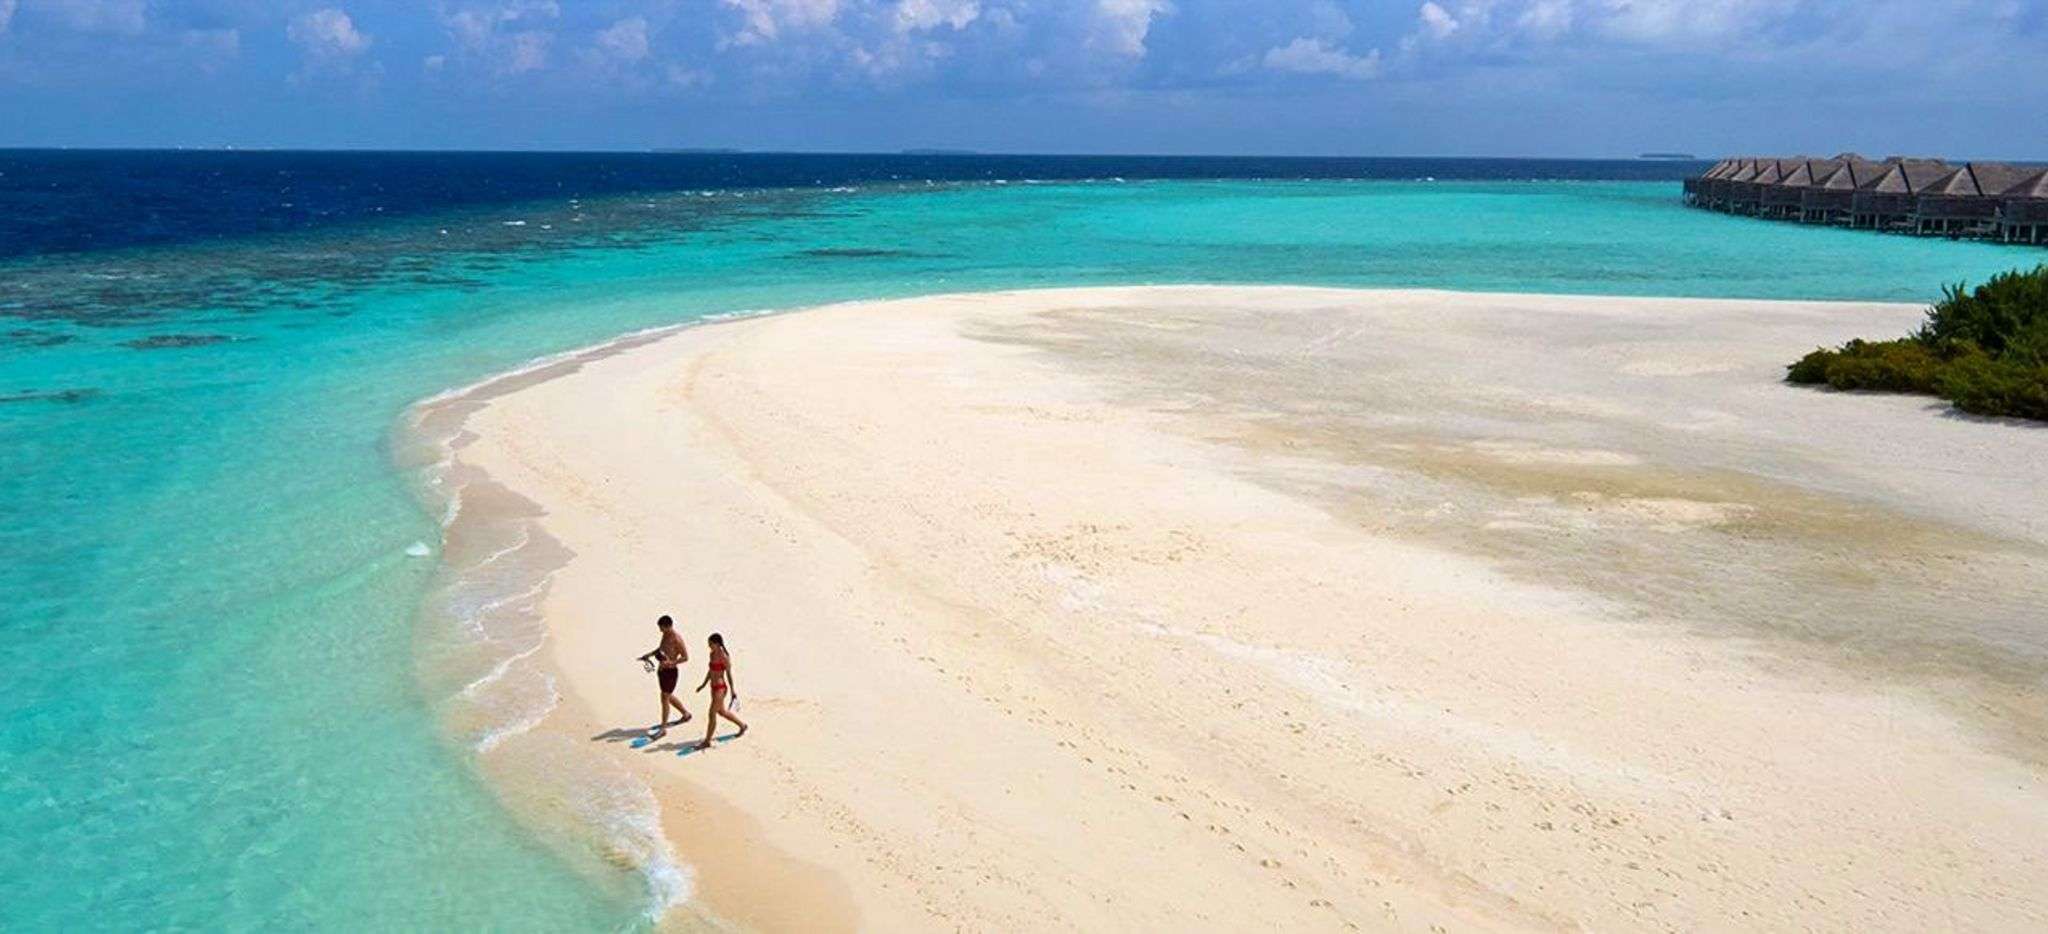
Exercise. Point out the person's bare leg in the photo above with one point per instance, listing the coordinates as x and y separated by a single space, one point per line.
670 700
727 714
711 720
660 717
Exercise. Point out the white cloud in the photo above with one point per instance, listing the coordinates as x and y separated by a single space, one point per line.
476 26
327 34
505 38
525 51
1122 25
1546 19
1437 22
1654 21
764 21
624 41
1498 23
683 76
1318 57
914 15
1328 19
6 14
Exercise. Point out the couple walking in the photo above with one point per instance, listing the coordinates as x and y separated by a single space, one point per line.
666 662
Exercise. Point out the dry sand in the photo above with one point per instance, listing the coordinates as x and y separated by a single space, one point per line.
1249 608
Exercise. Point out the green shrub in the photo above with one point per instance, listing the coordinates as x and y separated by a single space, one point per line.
1990 316
2029 347
1812 368
1893 366
1986 350
1985 386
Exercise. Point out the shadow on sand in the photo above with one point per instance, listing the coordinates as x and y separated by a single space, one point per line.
667 742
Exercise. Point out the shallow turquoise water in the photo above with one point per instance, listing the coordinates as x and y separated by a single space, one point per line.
212 715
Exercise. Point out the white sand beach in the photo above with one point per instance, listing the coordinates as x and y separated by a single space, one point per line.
1285 608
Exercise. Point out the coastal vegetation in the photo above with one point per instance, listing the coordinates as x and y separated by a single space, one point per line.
1984 349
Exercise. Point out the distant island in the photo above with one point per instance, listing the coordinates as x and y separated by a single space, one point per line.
1669 156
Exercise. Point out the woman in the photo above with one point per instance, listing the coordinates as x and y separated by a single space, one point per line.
665 659
718 674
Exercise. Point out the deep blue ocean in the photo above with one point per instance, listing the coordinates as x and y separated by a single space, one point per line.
221 710
74 200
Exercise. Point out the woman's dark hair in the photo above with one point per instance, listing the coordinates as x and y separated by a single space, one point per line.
718 640
664 622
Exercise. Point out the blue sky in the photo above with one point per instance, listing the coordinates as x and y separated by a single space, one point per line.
1965 78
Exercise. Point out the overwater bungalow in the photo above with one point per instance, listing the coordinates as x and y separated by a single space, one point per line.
2023 210
1720 191
1830 199
1698 187
1929 197
1715 192
1966 202
1783 199
1745 195
1889 204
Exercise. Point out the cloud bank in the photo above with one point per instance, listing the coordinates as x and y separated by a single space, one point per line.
1537 66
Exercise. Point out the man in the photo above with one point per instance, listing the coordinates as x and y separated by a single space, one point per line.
664 661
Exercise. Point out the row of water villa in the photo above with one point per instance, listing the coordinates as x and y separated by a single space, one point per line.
1981 200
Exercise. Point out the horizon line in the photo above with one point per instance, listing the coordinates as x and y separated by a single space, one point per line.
921 152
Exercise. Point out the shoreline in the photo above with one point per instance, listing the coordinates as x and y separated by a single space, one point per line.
1079 363
430 433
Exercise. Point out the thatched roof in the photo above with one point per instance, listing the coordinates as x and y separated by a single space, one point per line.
1851 174
1993 178
1912 177
1871 174
1978 179
1747 172
1922 176
2032 186
1809 173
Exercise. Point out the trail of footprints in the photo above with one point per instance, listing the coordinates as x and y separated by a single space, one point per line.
1165 791
1275 849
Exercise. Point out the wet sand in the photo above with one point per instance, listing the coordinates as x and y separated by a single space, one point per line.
1236 608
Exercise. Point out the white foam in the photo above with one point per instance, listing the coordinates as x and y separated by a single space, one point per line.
418 550
453 510
739 314
492 738
543 361
527 594
473 619
525 537
498 671
669 881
